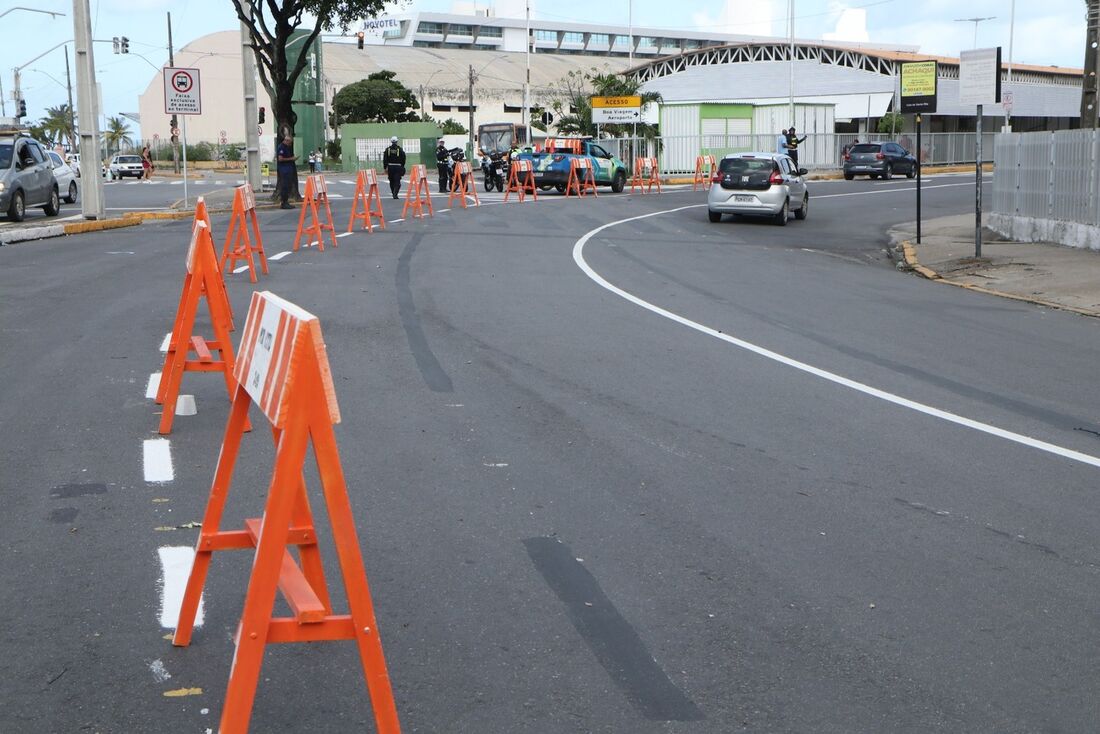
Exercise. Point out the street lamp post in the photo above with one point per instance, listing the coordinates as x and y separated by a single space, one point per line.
975 21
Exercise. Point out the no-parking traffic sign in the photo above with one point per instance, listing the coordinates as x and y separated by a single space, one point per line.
181 91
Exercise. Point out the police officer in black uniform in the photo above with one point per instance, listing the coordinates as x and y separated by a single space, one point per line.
442 165
394 161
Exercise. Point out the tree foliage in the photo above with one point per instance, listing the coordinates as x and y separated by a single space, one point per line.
890 123
573 105
57 126
117 134
378 98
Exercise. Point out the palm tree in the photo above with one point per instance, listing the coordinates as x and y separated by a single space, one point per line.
117 134
58 125
574 105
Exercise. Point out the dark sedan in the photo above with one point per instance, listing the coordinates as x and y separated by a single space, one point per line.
878 160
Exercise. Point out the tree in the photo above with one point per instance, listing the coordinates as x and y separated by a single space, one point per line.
58 126
271 23
378 98
451 126
117 134
573 107
890 123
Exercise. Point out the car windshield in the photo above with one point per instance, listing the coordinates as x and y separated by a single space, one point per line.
865 148
5 155
745 165
129 159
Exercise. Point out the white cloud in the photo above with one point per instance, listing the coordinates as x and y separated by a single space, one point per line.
743 17
851 26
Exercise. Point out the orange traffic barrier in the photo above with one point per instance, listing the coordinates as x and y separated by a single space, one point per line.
368 198
202 282
645 176
316 194
284 369
202 215
585 181
521 179
419 195
462 185
238 245
704 171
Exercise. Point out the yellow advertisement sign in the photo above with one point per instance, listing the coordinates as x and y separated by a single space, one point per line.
615 102
918 86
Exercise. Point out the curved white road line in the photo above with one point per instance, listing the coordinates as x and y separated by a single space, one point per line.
578 257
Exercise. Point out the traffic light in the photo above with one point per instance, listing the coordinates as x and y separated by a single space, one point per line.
125 44
360 36
115 45
22 108
262 116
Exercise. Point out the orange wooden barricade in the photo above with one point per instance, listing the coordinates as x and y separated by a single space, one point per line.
367 198
462 185
704 171
645 176
238 245
316 194
521 179
284 369
202 215
419 194
585 181
202 282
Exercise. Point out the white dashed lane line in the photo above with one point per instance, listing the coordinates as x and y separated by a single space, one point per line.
157 460
175 567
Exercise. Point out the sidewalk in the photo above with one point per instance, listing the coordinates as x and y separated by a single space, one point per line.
1044 273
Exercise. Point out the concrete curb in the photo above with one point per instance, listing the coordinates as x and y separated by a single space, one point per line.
910 259
60 230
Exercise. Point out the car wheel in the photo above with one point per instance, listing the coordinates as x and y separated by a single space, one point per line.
804 209
71 198
714 216
872 175
781 217
619 182
545 187
911 172
53 207
889 172
560 188
17 210
849 176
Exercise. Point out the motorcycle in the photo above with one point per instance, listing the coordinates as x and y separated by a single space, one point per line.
495 170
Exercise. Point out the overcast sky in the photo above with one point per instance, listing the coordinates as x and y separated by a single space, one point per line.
1047 32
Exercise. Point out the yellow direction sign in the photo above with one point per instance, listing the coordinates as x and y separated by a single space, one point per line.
615 102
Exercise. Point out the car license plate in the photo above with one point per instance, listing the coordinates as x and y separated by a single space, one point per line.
744 199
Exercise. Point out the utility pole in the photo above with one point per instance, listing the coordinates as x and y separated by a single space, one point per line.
1007 128
473 150
251 106
172 135
527 83
790 31
91 200
72 112
1092 67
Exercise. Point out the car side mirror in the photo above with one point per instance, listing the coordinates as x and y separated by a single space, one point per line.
802 171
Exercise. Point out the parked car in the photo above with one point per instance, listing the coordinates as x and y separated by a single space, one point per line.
758 184
26 178
125 165
65 177
74 163
879 159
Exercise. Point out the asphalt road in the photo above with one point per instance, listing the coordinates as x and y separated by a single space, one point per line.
615 469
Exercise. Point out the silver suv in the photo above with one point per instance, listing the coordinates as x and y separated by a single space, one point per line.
26 178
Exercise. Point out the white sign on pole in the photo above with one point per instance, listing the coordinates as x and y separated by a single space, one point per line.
1006 101
616 115
980 76
181 91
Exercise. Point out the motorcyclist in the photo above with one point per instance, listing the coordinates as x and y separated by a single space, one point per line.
443 166
394 160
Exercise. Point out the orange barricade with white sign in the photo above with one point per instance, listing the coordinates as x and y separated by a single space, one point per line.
202 282
418 197
704 171
284 369
367 198
462 185
521 179
582 177
238 245
645 176
316 195
202 215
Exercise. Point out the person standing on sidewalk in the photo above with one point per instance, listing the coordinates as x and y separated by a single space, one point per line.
443 165
792 145
146 164
394 161
312 162
781 143
284 156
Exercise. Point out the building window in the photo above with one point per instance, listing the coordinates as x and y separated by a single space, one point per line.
647 41
433 28
572 37
551 36
688 43
490 31
599 39
622 42
460 30
393 33
440 107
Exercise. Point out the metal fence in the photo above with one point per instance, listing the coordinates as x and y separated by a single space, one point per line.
1048 175
677 154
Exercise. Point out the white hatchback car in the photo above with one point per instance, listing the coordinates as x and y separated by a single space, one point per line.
66 178
125 165
759 185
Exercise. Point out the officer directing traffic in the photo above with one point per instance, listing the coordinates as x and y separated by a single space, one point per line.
394 161
442 165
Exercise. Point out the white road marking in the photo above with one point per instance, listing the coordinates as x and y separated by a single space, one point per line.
119 252
152 386
160 673
176 183
395 221
350 183
279 255
175 567
890 191
241 269
344 234
166 343
157 460
578 258
336 196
